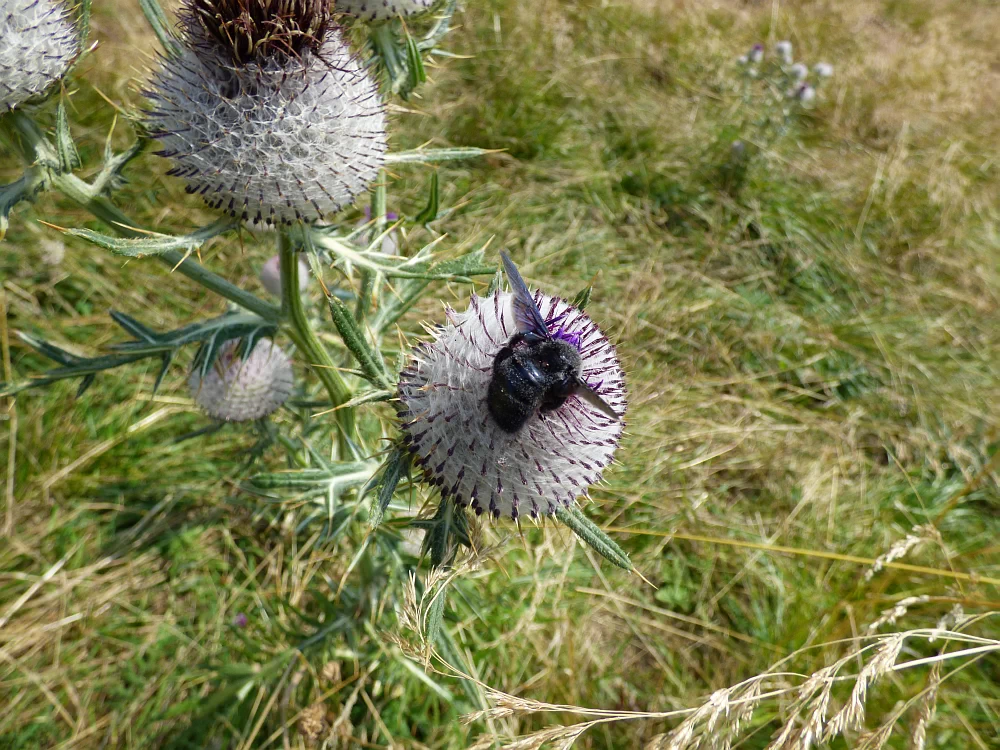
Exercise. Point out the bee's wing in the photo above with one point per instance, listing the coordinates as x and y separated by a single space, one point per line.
589 395
526 314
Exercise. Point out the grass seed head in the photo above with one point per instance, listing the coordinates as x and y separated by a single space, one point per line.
38 43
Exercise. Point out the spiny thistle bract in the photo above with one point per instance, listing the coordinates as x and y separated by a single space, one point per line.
238 389
265 111
553 458
380 10
38 43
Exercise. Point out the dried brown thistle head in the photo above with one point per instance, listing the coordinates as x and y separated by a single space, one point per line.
256 30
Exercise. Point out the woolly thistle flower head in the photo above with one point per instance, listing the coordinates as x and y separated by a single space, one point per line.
549 461
38 43
380 10
804 92
756 53
823 70
799 71
241 389
783 50
265 111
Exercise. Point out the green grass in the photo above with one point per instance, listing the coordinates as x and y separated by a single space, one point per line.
812 364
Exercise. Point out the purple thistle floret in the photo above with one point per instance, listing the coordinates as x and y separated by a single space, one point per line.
553 459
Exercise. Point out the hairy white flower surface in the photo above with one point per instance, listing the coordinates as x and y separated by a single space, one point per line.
379 10
799 71
553 458
239 390
38 42
267 127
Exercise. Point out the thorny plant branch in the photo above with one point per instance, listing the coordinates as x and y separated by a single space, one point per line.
40 154
317 357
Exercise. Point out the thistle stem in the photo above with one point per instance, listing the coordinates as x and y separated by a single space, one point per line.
36 150
317 357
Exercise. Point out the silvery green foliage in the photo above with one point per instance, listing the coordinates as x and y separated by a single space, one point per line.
235 389
379 10
268 136
38 42
550 461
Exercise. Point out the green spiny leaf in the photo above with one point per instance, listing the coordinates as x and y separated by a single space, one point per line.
594 537
24 188
155 244
397 463
161 26
431 155
582 299
69 158
430 212
305 479
368 358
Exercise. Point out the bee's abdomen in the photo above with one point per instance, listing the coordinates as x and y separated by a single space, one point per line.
514 393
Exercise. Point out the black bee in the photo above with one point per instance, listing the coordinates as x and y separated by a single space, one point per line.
534 371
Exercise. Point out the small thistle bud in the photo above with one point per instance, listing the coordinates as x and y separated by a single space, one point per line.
783 50
805 92
38 43
265 112
380 10
270 275
389 245
553 457
756 53
823 70
799 71
238 389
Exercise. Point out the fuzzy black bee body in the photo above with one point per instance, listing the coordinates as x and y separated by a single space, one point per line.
534 371
529 375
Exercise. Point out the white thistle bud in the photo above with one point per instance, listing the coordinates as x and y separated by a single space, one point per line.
804 92
270 275
553 458
799 71
783 50
756 53
266 113
823 70
240 390
389 244
380 10
38 43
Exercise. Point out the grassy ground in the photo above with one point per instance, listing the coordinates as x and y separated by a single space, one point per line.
814 368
